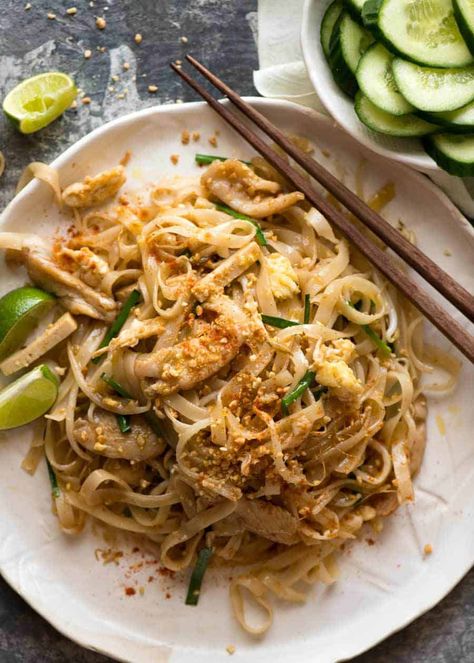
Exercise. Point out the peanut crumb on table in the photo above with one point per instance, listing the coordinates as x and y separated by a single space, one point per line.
196 136
51 16
87 54
230 649
428 549
174 158
447 252
152 88
71 11
185 136
100 22
138 38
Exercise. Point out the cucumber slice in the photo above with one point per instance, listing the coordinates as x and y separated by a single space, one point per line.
348 42
354 7
375 78
455 154
330 17
464 14
424 31
392 125
434 90
459 121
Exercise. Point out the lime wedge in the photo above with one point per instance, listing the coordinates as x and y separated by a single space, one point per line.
20 312
39 100
28 398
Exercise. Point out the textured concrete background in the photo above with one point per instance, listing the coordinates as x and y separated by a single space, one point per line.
222 34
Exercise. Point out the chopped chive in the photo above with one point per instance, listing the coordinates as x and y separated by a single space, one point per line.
116 386
151 418
197 576
206 159
382 346
55 490
307 309
281 323
305 382
131 301
261 239
124 423
374 337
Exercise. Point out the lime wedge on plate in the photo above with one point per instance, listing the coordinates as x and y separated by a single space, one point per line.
28 398
20 312
36 102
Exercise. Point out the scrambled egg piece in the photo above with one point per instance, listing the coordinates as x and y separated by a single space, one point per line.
332 368
283 278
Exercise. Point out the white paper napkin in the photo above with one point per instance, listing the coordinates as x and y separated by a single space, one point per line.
283 75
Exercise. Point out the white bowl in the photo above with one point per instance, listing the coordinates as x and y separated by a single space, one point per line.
406 150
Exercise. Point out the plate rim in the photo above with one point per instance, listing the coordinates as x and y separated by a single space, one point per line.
422 162
83 638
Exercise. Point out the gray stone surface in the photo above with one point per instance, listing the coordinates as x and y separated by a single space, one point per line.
221 33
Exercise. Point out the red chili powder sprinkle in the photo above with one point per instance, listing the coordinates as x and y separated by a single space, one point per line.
129 591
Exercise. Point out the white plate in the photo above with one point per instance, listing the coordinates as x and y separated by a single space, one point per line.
382 587
341 107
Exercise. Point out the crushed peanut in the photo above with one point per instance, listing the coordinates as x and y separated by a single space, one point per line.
138 38
100 23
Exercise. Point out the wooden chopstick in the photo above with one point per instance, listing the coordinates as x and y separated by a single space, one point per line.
446 324
412 255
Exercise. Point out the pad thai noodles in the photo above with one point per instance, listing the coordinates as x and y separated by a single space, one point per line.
240 385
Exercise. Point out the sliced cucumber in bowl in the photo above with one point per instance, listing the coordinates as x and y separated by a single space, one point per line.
327 24
402 126
433 89
424 31
455 154
459 121
375 78
348 42
464 13
354 7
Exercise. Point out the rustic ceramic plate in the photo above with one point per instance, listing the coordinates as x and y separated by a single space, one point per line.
341 107
382 587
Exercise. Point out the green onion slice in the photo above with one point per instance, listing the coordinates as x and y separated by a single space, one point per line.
116 386
123 423
260 237
151 418
205 159
381 345
281 323
131 301
307 309
197 576
55 490
305 382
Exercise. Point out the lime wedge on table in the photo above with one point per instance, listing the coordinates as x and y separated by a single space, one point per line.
20 311
39 100
28 398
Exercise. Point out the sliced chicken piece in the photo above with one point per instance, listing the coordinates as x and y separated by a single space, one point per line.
94 190
92 268
75 295
239 187
103 436
215 282
51 336
197 358
267 520
138 330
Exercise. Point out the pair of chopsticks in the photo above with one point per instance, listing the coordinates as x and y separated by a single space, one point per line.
428 269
